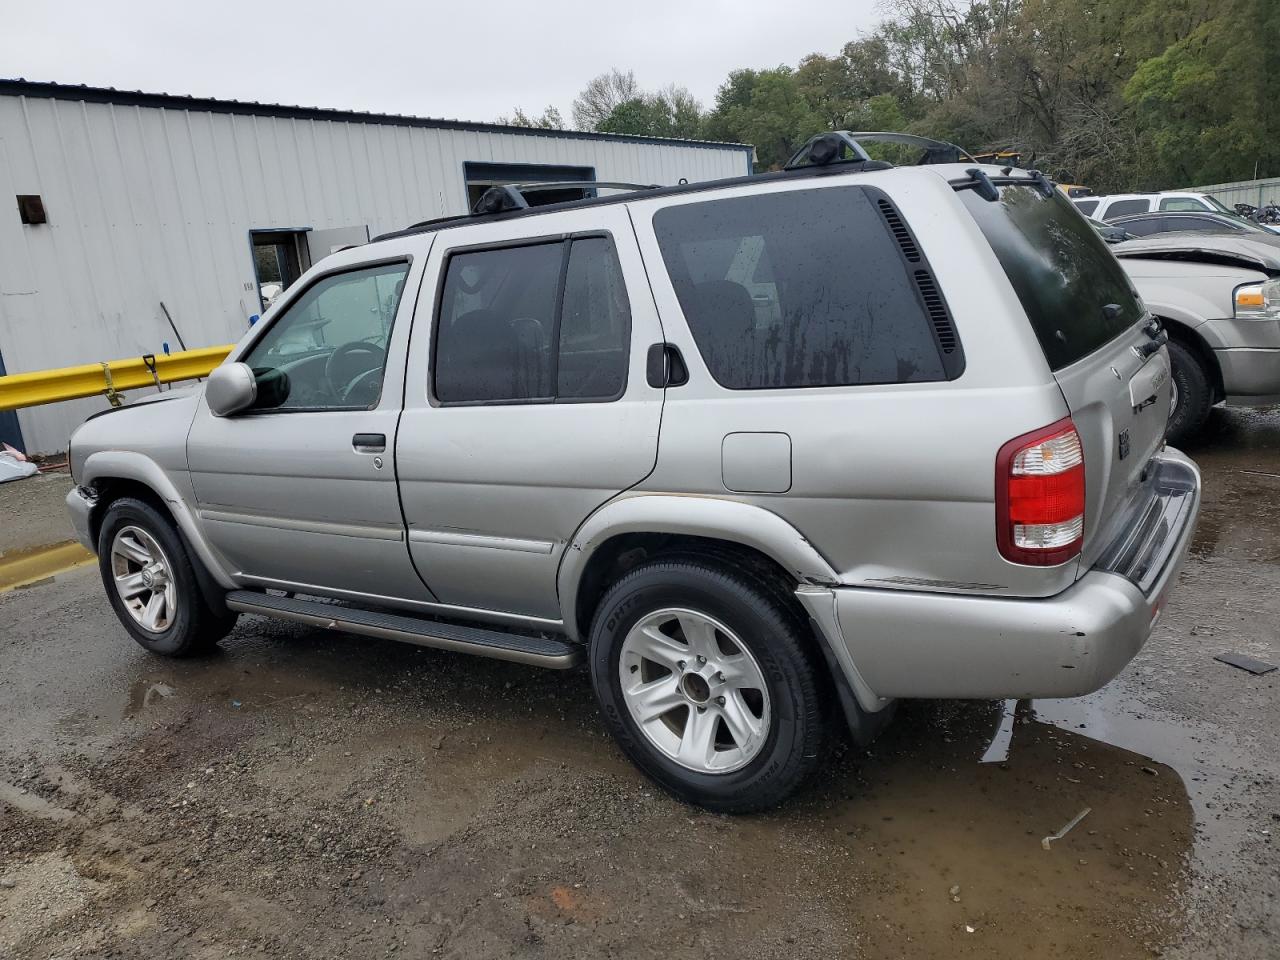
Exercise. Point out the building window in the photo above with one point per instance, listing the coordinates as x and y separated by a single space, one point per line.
481 176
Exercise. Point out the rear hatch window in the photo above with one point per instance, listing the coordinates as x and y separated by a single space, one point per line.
1060 268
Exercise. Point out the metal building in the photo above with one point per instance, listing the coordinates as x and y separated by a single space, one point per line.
114 203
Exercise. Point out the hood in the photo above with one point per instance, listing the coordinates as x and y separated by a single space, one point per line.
1252 251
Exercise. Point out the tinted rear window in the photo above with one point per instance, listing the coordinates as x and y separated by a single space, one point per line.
804 288
1060 268
1087 206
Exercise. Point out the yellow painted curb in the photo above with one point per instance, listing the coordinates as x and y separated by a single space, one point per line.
22 567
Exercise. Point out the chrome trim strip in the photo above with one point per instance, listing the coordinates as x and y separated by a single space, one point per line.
455 538
367 531
440 609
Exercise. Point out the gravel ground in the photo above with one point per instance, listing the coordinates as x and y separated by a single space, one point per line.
303 794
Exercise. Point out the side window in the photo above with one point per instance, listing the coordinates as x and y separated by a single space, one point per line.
595 326
807 288
329 349
1086 206
1122 208
1181 203
1145 227
540 322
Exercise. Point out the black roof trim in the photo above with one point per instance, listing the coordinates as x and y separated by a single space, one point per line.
800 173
136 98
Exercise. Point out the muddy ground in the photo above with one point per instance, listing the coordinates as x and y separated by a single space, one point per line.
302 794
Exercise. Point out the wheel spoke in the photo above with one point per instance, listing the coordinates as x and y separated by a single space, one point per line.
130 585
743 725
653 644
698 743
155 610
132 548
740 672
700 634
653 700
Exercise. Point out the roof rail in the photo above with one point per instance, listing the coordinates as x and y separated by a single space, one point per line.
844 146
510 196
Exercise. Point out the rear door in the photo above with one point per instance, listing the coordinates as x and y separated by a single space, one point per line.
526 402
1090 324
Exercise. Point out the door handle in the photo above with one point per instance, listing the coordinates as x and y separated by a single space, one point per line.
369 442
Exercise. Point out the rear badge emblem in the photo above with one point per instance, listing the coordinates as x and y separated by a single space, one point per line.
1124 444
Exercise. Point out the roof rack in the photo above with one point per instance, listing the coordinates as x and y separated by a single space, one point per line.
510 196
844 146
510 201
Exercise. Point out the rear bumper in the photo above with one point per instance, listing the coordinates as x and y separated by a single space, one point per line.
905 644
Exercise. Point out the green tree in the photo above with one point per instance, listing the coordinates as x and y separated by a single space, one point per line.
1208 102
549 119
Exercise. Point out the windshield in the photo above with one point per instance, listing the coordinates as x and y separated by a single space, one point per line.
1060 268
1218 205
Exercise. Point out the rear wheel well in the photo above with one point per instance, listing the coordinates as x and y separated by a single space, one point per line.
1195 343
617 555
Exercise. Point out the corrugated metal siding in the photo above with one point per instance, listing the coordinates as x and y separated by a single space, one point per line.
148 204
1256 192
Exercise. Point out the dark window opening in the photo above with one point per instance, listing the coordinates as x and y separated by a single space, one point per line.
807 288
31 209
541 322
1087 206
481 176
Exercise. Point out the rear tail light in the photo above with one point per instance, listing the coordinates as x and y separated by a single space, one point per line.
1040 496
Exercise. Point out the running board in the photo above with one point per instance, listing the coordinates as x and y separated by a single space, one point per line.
481 641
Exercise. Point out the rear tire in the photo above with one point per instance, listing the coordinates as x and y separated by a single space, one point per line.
1193 394
151 583
742 720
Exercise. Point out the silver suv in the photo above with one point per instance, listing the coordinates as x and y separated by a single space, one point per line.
765 453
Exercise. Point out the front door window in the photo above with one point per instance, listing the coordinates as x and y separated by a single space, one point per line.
328 350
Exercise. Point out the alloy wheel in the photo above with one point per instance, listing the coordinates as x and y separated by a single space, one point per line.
695 690
143 579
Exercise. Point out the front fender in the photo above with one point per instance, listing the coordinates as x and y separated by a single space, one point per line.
688 515
129 465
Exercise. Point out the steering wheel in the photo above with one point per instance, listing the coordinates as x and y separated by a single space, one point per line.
339 380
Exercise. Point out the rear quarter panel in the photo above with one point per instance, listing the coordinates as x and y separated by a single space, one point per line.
894 485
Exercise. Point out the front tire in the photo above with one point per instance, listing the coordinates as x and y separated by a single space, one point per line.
710 683
1193 394
150 582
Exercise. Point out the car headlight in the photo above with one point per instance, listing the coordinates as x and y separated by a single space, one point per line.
1258 301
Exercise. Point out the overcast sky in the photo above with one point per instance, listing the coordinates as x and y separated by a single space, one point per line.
471 61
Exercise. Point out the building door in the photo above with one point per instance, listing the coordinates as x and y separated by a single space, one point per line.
280 257
10 429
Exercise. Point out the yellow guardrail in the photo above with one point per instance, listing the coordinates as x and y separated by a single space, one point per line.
107 379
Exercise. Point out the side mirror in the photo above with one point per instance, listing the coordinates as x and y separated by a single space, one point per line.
232 387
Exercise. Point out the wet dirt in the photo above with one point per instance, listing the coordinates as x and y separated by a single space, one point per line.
304 794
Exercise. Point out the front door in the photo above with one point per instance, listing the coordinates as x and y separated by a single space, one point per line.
301 492
526 403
